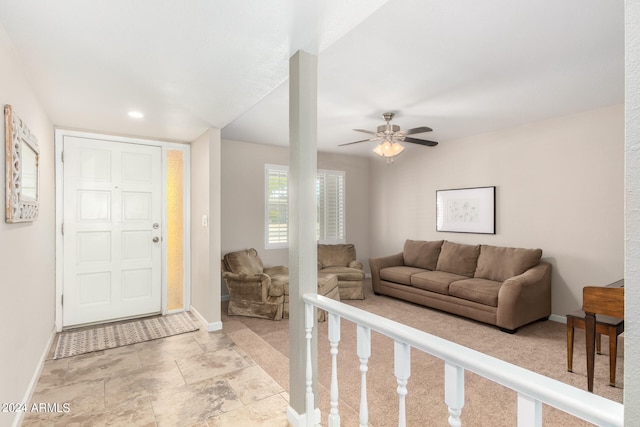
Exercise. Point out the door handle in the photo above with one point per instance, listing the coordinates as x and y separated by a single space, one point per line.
156 239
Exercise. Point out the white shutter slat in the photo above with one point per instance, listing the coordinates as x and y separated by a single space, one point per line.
277 206
333 206
330 196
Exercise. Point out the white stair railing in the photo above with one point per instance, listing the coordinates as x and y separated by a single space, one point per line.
309 397
402 371
334 339
454 392
364 352
532 389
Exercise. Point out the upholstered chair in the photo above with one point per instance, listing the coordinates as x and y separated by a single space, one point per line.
254 290
341 261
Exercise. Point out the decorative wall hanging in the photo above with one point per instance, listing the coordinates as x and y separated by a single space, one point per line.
21 169
466 210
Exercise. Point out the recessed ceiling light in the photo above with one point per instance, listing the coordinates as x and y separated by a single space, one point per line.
136 114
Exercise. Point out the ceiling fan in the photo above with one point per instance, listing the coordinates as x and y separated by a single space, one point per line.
390 137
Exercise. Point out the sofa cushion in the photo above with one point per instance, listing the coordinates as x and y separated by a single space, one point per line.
344 273
246 261
434 281
336 255
421 254
326 284
478 290
457 258
500 263
399 274
279 285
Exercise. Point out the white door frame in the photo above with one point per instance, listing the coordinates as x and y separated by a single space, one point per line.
185 148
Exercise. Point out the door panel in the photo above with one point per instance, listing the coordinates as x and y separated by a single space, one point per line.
93 246
112 213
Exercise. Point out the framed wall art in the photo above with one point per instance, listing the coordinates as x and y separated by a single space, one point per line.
466 210
22 173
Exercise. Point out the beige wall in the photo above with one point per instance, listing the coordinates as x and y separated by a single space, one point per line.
243 197
560 187
27 250
205 239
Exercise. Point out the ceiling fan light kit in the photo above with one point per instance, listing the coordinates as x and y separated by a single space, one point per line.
391 136
388 150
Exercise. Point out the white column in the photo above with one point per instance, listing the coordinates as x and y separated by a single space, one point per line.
302 219
632 214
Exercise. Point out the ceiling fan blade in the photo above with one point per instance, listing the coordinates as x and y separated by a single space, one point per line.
421 141
356 142
420 129
366 131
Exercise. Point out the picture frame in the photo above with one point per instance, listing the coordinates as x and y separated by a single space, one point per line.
466 210
22 178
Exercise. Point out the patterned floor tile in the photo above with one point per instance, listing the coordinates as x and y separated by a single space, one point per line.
253 384
269 412
189 380
210 365
192 403
146 382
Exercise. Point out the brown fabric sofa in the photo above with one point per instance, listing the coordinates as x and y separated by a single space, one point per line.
259 291
254 290
341 261
327 286
501 286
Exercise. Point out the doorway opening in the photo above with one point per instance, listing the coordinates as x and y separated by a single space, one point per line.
173 229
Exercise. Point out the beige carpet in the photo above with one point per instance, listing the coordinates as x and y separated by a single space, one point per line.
540 347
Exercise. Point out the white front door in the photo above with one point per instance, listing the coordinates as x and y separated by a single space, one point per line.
112 230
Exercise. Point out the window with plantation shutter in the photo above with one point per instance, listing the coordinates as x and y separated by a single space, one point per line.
330 200
277 206
330 193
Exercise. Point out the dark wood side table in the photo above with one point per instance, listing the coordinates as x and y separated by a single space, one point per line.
605 300
605 325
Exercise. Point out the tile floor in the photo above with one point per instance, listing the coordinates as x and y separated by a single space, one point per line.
195 379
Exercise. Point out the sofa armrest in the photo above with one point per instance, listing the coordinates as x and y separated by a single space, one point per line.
376 264
276 270
525 298
356 264
247 287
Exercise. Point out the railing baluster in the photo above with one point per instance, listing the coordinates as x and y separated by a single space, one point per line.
402 370
458 359
454 392
364 352
529 411
334 339
310 400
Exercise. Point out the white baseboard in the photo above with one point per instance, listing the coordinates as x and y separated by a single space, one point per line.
17 421
557 318
209 326
300 420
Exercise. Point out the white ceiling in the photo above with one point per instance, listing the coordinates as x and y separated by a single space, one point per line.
461 67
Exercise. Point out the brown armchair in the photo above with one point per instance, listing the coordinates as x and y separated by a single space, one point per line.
254 290
341 261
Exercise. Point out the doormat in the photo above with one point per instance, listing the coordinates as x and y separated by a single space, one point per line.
73 343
